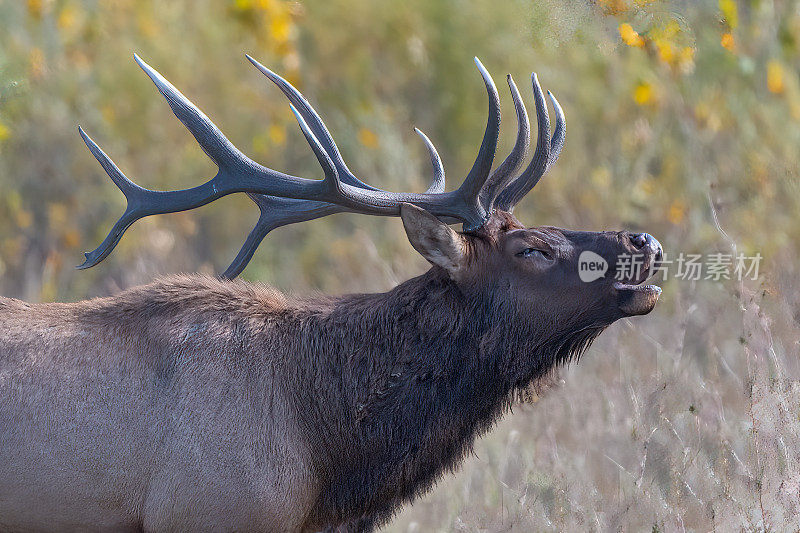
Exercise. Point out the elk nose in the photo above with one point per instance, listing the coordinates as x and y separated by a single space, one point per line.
646 241
638 239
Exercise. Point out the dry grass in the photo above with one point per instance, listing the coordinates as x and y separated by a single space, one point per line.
686 419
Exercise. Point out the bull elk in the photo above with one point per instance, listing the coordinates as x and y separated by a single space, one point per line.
200 403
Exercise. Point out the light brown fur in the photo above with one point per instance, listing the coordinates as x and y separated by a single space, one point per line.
193 403
91 398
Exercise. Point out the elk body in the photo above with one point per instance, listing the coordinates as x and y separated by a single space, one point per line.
197 403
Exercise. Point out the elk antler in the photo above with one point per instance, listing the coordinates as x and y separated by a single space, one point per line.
285 199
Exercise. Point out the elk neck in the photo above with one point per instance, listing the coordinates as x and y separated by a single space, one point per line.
409 379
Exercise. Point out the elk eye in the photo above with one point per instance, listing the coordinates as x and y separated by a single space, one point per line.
533 252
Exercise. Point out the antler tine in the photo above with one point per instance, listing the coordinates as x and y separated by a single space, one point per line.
438 181
479 173
518 188
503 174
559 134
315 123
213 142
131 192
331 174
274 213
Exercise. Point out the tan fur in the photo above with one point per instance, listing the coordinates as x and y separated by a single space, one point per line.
433 239
92 397
195 404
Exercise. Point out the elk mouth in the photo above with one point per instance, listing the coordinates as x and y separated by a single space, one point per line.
636 297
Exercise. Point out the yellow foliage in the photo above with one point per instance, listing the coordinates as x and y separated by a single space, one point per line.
670 30
71 238
614 7
630 36
367 138
280 26
36 61
775 77
667 40
23 218
11 247
730 12
5 132
665 51
686 59
49 288
68 17
728 42
37 8
677 212
146 23
272 22
643 93
244 5
707 116
647 186
277 134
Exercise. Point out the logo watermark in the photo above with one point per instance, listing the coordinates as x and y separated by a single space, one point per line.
689 267
693 267
591 266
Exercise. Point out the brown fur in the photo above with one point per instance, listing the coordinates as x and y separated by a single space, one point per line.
194 403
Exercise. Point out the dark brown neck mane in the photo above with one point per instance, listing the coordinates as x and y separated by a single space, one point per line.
418 373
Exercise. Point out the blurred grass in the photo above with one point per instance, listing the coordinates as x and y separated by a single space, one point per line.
687 418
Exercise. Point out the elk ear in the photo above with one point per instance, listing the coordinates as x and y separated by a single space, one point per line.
434 239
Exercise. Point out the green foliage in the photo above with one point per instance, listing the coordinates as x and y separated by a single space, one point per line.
664 109
666 104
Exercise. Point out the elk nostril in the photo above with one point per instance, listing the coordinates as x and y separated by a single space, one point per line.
639 240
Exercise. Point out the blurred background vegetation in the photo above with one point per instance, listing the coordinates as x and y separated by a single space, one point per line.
683 120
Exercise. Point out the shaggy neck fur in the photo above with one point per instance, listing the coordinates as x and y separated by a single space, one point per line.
411 377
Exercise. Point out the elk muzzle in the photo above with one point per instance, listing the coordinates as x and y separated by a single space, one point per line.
634 297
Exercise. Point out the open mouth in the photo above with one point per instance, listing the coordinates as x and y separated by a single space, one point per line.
636 297
639 287
640 284
645 271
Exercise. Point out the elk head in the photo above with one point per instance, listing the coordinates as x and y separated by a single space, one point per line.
536 269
